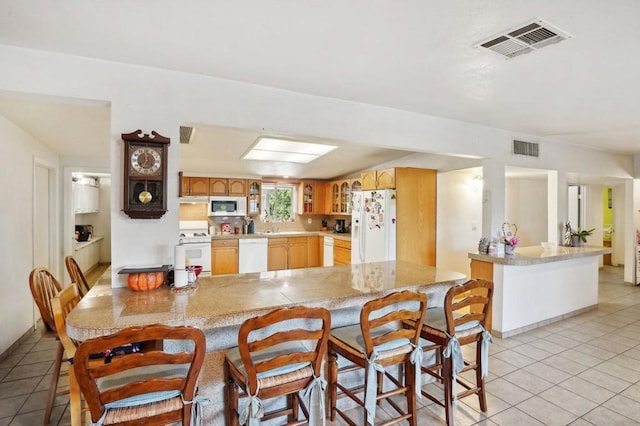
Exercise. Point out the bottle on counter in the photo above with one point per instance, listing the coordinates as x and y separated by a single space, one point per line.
250 227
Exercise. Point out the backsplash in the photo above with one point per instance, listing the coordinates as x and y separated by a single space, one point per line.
300 223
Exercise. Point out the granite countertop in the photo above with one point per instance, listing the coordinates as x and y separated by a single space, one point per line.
284 234
536 254
105 310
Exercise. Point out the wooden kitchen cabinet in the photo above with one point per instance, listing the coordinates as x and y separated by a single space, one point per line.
341 252
340 197
314 251
416 215
378 179
277 254
193 185
311 199
386 178
297 254
254 192
218 186
368 180
287 253
224 256
237 187
356 185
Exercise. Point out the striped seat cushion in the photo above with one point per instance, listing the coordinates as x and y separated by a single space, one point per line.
435 322
352 336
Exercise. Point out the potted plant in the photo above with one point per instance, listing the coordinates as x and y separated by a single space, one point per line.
579 236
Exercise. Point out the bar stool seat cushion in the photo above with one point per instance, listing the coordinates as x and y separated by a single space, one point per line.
352 336
276 376
435 323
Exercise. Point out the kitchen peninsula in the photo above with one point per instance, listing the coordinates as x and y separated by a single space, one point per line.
535 287
220 304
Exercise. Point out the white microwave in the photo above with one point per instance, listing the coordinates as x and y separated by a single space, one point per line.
227 206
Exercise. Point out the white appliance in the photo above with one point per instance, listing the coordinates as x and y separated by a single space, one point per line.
373 226
327 252
227 206
252 255
194 235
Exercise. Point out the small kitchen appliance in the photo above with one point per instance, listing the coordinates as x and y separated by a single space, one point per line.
339 227
84 232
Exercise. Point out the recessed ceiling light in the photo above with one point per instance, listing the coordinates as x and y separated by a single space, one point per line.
274 149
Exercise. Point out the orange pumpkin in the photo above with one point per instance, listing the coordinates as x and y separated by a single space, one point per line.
145 281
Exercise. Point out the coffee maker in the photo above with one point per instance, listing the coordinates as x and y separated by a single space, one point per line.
339 227
83 232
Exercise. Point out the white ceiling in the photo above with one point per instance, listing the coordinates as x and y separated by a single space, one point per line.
415 55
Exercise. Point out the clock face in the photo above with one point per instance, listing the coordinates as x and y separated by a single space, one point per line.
145 161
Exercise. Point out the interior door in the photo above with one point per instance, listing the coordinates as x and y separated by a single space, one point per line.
41 224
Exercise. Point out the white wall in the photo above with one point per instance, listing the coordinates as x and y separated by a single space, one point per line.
150 99
526 206
103 226
17 152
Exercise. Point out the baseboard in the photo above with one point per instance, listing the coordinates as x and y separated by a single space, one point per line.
548 321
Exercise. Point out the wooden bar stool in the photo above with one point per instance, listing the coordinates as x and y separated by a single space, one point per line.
152 387
62 305
76 275
377 343
44 287
461 321
279 354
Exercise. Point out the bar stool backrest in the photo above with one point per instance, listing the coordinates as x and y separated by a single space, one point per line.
89 374
62 305
468 305
390 312
312 326
44 287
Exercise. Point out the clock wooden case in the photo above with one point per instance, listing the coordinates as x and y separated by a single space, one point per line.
145 175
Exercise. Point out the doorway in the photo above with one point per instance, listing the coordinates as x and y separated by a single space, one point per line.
607 221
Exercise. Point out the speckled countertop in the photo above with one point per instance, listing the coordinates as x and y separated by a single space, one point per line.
536 254
284 234
228 300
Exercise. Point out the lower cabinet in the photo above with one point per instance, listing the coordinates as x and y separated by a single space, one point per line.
287 253
224 256
314 249
88 256
341 252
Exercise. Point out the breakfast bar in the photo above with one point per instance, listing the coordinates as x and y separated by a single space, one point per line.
537 286
218 305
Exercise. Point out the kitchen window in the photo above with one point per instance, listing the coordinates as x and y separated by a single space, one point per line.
278 200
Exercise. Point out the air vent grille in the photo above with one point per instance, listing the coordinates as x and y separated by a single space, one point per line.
185 134
524 39
526 148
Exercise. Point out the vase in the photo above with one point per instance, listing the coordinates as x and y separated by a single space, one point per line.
509 249
576 241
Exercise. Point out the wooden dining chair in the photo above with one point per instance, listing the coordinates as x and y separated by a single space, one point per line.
378 344
152 387
62 305
461 321
278 354
44 287
76 275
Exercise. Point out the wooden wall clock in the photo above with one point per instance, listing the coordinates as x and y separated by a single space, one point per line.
145 175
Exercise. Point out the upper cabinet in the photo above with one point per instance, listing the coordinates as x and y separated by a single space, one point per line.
311 199
339 197
379 179
86 198
197 186
228 186
254 192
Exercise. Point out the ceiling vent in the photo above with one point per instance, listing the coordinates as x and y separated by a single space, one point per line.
185 134
524 39
529 149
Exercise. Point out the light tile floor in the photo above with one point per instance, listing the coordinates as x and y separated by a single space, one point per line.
584 370
581 371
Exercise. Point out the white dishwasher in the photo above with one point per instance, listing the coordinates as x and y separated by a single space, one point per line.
327 253
252 255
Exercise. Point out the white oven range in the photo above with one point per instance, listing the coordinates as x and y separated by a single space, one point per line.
194 235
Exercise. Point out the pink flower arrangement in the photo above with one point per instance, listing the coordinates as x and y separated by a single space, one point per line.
513 241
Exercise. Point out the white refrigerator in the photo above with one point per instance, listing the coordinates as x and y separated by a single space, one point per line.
373 226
